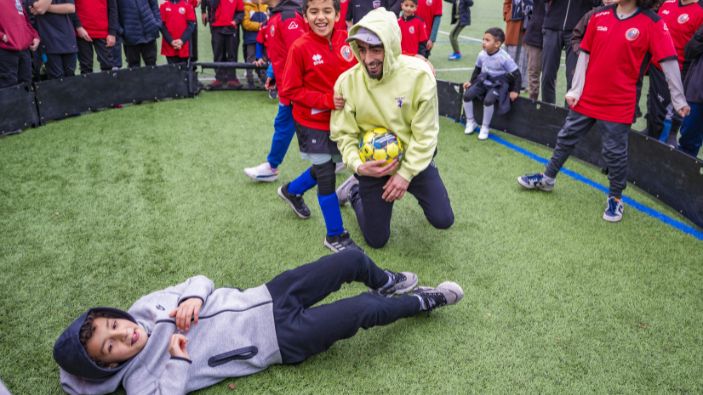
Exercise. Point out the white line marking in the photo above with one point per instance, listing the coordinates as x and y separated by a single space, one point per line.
474 39
456 69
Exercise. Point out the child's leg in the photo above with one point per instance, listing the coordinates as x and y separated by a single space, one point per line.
283 131
692 130
614 149
104 55
149 53
218 52
575 126
315 330
327 198
475 90
85 56
305 181
306 285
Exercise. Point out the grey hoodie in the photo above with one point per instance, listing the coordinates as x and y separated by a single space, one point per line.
235 336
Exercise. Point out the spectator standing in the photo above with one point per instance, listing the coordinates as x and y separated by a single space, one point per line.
178 19
58 38
357 9
513 15
96 23
430 11
461 17
692 128
17 37
413 30
559 21
140 23
194 37
224 17
532 44
255 16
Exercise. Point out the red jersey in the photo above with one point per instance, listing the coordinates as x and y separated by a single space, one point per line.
16 33
282 29
93 17
226 9
682 21
617 49
312 68
413 31
175 17
341 24
427 10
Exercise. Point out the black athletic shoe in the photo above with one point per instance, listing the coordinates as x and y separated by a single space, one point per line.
446 293
295 202
340 242
402 283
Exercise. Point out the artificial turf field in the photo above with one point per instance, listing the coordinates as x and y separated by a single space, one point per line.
103 208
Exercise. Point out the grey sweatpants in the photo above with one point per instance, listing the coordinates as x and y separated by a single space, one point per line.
614 138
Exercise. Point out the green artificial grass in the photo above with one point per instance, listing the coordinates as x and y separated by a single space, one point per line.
100 209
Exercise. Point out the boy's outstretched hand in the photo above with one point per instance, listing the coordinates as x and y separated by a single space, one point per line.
177 346
187 311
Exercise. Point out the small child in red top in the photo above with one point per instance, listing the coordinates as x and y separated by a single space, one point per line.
178 18
413 30
603 92
314 62
224 18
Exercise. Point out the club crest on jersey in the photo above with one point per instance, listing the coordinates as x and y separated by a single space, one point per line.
632 34
683 18
292 26
182 11
412 30
399 101
317 59
346 53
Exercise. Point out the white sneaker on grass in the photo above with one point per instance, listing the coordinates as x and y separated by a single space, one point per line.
262 173
483 134
471 126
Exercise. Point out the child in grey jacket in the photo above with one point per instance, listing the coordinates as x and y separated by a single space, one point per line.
191 336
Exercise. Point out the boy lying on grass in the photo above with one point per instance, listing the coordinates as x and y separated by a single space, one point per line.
191 336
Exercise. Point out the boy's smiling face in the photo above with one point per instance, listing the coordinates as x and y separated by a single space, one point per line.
321 17
115 340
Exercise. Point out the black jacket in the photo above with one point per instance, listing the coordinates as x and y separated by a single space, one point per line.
565 14
533 24
693 68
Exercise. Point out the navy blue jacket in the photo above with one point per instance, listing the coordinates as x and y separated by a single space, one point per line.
693 68
565 14
140 21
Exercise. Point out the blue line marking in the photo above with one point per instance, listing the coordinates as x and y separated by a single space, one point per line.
676 224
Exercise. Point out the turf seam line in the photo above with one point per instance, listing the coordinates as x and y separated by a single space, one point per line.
676 224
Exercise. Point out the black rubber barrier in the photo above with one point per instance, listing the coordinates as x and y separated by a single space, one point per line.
17 109
670 175
66 97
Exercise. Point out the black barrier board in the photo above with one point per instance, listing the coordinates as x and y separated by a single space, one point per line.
450 99
17 109
662 171
65 97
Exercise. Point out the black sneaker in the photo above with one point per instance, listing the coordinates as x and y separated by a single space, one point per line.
446 293
340 242
295 202
403 282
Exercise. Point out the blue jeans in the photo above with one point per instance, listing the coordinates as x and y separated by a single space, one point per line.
283 132
692 130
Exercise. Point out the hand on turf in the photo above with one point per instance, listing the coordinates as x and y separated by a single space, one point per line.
684 111
83 34
185 312
571 101
35 45
177 346
110 41
513 96
377 168
339 102
395 188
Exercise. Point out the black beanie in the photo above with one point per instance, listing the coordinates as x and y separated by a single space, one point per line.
70 354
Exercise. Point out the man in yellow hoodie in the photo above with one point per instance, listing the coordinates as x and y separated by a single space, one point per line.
399 93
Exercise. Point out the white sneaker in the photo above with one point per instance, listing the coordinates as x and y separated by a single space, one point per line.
344 190
483 134
262 173
471 126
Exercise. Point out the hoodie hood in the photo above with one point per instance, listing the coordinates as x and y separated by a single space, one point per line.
70 354
385 25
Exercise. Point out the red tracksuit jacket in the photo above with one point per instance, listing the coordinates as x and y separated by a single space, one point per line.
16 34
312 68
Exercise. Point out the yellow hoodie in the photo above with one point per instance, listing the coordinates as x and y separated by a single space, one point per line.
404 100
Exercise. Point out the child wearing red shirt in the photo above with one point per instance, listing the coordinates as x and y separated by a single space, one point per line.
224 16
16 36
178 18
314 62
430 11
413 30
604 90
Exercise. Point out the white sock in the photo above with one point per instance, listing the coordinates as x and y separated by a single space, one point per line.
469 110
487 116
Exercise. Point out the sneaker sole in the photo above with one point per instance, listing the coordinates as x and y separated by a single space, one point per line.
262 178
528 186
612 219
406 289
329 246
285 199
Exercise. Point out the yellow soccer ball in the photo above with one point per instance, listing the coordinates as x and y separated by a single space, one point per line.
380 144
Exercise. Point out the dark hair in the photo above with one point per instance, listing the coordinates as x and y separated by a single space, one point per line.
335 3
86 331
648 4
497 33
414 1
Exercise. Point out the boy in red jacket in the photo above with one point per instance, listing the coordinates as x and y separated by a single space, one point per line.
314 62
178 18
224 16
413 30
96 26
16 36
